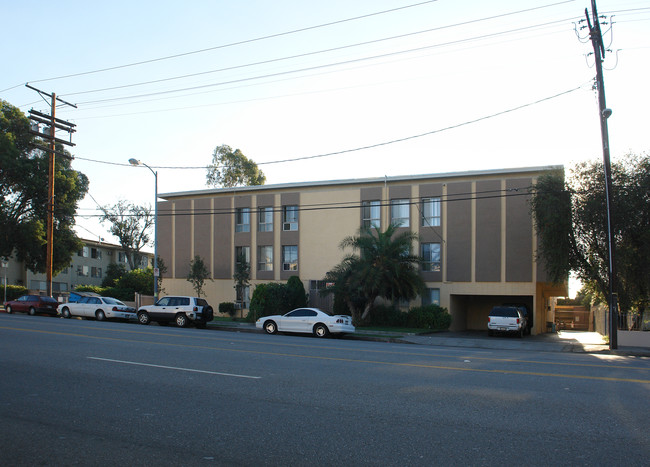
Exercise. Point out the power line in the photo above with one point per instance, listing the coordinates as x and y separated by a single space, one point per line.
232 44
469 196
306 54
328 65
361 148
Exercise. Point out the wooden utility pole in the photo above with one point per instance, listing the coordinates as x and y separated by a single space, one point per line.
53 123
596 37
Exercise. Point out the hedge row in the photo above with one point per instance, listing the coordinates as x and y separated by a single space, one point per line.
432 317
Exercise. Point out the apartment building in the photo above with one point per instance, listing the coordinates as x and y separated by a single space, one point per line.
87 267
476 235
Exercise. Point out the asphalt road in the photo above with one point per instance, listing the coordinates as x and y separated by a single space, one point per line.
76 392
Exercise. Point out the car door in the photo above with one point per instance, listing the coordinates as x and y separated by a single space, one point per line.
89 308
289 322
161 308
21 304
298 320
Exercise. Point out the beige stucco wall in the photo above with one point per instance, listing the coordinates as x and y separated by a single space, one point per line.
321 231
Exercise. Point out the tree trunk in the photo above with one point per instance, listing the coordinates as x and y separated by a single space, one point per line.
367 308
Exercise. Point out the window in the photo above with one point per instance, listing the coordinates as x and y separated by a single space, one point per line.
290 258
242 296
96 253
121 257
399 212
96 272
82 271
430 212
370 214
290 218
431 297
83 252
242 220
242 251
265 258
265 222
431 257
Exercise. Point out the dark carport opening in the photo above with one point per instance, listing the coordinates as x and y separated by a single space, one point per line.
470 312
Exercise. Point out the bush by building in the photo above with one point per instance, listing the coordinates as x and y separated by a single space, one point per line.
227 308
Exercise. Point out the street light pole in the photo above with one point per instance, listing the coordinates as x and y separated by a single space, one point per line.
136 162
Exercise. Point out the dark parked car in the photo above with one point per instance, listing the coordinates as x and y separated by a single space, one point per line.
32 304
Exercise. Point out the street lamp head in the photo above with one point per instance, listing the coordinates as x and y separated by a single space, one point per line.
133 161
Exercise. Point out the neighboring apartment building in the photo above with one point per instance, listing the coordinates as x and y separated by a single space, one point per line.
477 237
88 267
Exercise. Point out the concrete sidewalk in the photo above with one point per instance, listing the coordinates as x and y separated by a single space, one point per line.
562 341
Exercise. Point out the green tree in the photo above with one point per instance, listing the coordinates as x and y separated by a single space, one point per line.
570 218
381 265
24 196
162 269
242 278
232 168
131 225
114 272
198 274
139 280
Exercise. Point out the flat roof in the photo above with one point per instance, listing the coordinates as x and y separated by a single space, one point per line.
361 181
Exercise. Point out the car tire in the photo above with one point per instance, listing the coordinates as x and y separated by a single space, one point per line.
181 320
521 332
32 311
143 317
320 330
100 315
208 314
270 327
9 310
66 312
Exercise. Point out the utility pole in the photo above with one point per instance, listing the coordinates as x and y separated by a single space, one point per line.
596 37
53 123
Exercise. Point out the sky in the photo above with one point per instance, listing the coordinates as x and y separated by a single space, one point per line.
336 89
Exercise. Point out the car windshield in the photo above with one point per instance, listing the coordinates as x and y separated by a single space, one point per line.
505 312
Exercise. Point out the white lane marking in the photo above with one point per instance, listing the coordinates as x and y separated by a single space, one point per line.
174 368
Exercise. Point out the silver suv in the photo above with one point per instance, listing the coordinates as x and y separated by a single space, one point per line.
182 310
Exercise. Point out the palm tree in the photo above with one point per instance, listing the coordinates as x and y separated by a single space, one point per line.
381 265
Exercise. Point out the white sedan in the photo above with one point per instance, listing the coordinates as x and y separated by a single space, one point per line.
309 320
100 308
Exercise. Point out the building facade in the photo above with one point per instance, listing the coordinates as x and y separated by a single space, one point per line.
87 267
476 233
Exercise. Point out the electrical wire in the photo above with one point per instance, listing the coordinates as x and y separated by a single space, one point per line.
469 196
345 151
306 54
232 44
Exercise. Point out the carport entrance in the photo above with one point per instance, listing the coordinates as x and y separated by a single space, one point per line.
470 312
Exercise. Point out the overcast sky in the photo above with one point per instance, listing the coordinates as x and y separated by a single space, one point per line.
490 85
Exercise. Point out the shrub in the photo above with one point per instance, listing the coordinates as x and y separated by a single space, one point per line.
296 293
432 317
121 293
13 291
227 308
382 315
271 298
